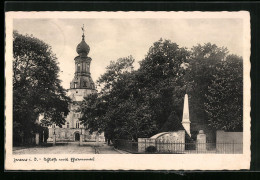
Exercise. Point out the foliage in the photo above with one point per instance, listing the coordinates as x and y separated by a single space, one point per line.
116 110
210 75
36 87
151 149
135 104
224 100
160 80
143 102
199 74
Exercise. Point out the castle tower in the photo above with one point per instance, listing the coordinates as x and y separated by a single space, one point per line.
81 86
82 83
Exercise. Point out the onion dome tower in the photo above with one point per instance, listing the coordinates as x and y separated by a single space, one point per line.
82 83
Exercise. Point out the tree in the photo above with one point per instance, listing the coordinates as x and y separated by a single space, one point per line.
137 103
36 87
161 80
200 71
143 102
131 113
224 100
211 73
116 110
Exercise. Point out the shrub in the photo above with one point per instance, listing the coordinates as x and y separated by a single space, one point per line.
151 149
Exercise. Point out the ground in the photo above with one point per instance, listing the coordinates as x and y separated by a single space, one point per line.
68 148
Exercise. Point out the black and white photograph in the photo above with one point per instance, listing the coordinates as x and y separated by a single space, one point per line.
145 89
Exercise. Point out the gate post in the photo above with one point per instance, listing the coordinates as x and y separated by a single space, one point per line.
37 138
201 142
54 139
81 139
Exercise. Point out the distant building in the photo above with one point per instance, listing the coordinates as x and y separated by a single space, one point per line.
81 86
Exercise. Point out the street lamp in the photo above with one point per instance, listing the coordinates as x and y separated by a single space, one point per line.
54 136
53 129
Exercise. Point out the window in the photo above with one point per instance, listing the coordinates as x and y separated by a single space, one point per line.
78 67
68 125
77 124
75 84
84 84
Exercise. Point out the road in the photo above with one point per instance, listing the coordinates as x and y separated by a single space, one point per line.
67 148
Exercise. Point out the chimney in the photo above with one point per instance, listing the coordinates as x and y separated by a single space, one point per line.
186 117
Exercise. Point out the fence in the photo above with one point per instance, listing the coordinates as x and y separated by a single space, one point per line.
164 147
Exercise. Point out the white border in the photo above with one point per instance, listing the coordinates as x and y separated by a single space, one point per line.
132 161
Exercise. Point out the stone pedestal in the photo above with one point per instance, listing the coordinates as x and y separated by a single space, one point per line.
54 139
37 138
81 139
201 142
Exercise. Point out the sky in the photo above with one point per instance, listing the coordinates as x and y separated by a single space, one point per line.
110 39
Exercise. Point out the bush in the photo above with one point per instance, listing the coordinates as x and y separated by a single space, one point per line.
151 149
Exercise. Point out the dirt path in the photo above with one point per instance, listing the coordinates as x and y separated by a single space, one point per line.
67 148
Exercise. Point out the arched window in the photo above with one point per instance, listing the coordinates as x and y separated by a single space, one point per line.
84 84
78 67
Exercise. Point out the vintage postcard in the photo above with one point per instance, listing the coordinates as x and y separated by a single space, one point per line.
127 91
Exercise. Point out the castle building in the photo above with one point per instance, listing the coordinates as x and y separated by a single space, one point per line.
81 86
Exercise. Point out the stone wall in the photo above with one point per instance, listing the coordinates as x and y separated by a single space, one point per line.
165 142
230 142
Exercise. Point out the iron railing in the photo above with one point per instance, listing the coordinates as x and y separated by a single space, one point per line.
164 147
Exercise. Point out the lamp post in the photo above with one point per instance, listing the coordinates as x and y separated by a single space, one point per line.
43 136
54 130
54 135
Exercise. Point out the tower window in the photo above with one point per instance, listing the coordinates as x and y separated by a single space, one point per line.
77 124
75 84
78 67
84 84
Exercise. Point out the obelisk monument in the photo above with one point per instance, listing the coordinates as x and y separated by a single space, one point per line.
186 117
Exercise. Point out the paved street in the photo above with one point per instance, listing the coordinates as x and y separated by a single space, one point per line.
68 148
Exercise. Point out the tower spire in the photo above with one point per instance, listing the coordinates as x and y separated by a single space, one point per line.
83 30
